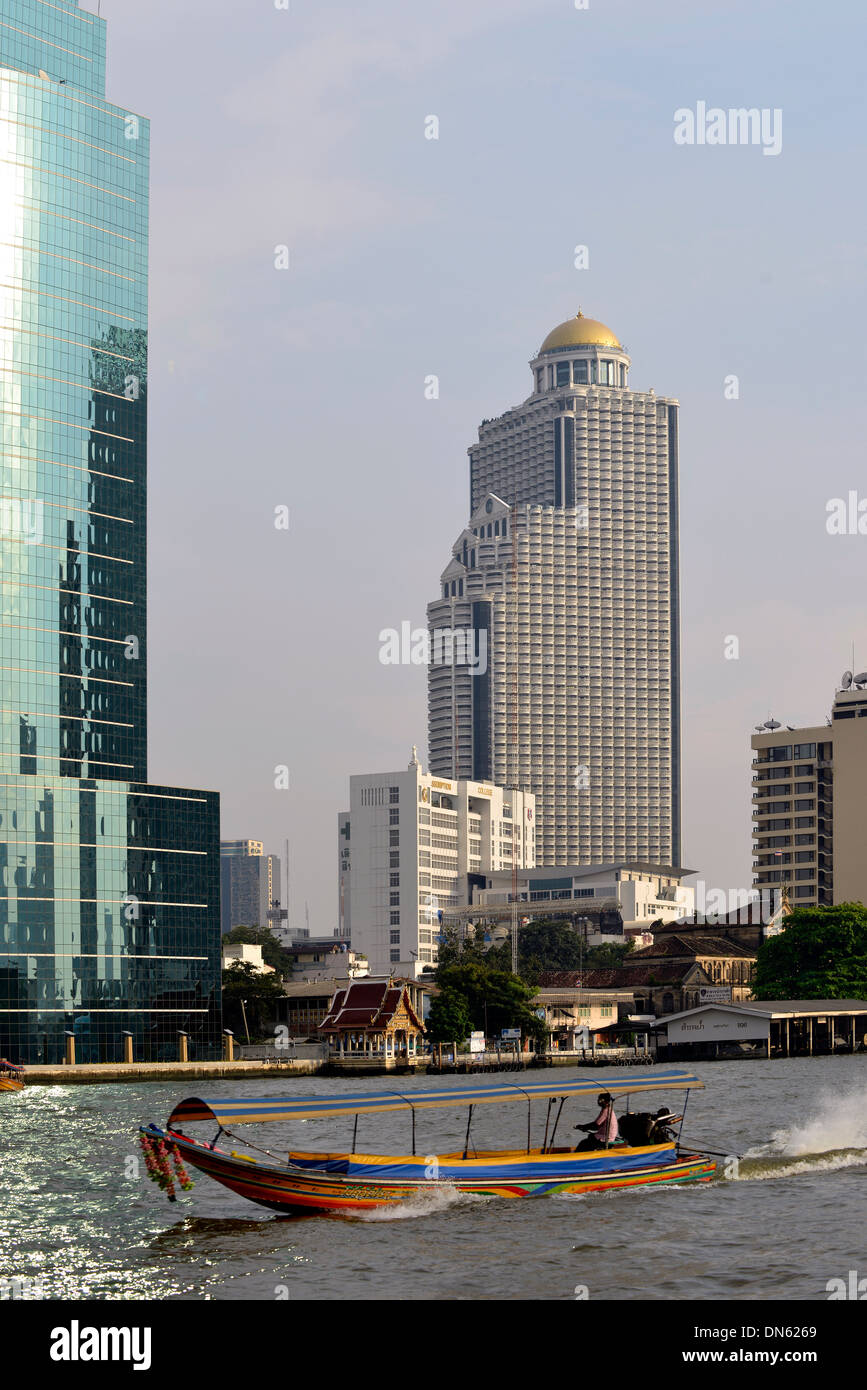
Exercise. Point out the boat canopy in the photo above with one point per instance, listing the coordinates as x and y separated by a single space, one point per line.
259 1109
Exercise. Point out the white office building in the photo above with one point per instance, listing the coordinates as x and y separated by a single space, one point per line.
565 581
417 844
640 893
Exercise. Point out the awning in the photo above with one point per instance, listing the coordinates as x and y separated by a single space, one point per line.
260 1109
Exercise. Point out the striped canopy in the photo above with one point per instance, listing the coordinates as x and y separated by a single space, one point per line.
258 1109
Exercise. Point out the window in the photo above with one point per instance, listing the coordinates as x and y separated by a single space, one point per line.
394 880
803 856
804 873
579 373
804 806
394 919
540 378
802 822
394 938
394 815
783 754
394 899
393 954
804 839
394 794
804 770
805 750
394 838
394 861
563 374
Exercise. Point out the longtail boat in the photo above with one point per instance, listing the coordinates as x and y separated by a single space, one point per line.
11 1076
353 1181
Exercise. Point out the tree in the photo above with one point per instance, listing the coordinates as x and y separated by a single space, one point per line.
820 954
449 1018
610 953
548 946
494 999
259 992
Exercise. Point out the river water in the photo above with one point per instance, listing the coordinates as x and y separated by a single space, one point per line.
77 1221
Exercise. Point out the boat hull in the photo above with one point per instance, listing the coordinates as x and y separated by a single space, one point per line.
8 1083
323 1182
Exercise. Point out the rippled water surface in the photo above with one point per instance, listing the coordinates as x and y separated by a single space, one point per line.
77 1221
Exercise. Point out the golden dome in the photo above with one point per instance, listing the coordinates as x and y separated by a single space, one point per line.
579 332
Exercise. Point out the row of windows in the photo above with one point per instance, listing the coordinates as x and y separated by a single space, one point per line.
582 372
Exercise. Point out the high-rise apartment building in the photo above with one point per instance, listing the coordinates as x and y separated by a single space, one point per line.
419 844
555 648
249 884
109 886
809 797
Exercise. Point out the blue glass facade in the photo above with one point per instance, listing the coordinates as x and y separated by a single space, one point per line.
109 888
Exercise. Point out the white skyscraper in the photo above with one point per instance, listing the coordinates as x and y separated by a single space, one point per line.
574 693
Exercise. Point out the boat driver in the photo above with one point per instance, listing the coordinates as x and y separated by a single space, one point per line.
604 1130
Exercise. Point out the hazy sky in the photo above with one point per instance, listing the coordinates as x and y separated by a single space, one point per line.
305 387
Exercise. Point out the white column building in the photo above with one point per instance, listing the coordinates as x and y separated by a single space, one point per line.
417 844
567 579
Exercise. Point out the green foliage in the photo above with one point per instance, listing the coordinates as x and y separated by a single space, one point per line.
259 992
821 954
494 999
610 954
549 946
449 1019
273 953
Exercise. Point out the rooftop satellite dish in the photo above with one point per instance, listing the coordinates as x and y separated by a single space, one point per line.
860 679
760 728
772 724
846 680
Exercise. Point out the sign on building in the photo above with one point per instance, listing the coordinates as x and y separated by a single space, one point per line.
477 1042
715 994
709 1024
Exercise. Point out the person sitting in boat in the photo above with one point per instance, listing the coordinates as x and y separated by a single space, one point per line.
604 1129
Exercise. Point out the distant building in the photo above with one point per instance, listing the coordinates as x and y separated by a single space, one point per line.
325 959
245 954
761 917
575 1015
344 864
559 609
306 1005
809 804
636 894
676 972
418 844
249 884
727 965
373 1018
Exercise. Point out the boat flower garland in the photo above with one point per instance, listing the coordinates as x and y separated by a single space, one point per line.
156 1157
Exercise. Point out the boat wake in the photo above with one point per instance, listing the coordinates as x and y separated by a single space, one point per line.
834 1138
779 1166
425 1202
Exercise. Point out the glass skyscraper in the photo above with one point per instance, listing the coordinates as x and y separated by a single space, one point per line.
109 887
